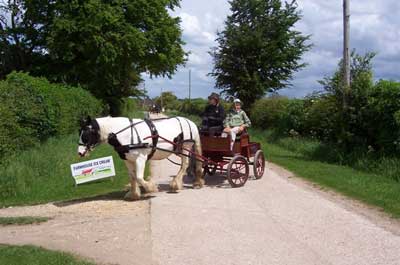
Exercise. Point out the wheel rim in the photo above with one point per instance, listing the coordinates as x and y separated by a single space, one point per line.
238 172
259 165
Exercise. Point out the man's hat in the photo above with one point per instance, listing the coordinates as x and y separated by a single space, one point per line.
214 95
238 101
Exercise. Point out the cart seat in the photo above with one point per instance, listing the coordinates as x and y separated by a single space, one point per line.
211 131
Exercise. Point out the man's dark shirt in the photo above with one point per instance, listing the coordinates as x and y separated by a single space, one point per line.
213 115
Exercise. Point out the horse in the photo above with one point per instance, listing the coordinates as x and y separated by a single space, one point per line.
137 141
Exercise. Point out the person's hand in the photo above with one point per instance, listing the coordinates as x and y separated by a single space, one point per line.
241 128
227 130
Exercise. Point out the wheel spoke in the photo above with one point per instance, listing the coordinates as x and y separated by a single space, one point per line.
238 171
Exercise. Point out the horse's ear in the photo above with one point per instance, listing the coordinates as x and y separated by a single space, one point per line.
88 119
82 122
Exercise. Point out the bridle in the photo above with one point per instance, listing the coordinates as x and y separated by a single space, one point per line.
89 136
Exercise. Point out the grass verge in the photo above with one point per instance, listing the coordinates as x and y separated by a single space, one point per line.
42 174
17 255
22 220
374 189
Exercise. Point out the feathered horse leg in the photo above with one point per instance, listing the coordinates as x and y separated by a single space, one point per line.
177 182
148 186
134 193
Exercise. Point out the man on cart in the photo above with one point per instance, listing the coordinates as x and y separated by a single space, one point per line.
213 116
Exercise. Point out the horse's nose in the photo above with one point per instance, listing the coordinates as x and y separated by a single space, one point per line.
82 151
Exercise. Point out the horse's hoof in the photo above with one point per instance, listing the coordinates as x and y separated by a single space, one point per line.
197 186
174 187
129 196
152 187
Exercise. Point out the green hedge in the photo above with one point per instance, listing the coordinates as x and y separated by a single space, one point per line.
197 106
33 109
371 122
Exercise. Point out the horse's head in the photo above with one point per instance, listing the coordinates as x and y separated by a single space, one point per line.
89 136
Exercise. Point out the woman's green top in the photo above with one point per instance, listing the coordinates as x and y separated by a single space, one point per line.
236 119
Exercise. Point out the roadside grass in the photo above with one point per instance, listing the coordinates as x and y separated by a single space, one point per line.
17 255
42 174
375 189
369 162
22 220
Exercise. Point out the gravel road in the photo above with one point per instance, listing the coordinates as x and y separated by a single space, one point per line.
278 219
275 220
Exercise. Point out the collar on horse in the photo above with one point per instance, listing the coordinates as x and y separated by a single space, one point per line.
122 150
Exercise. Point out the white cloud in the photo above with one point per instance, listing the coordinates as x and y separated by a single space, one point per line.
374 27
194 32
190 24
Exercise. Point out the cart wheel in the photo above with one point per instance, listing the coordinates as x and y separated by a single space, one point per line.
238 171
210 170
259 164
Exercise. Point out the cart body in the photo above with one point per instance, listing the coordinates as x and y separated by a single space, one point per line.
235 163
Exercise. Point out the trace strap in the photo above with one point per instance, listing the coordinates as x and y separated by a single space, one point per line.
122 150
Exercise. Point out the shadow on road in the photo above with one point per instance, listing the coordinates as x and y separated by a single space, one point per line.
112 196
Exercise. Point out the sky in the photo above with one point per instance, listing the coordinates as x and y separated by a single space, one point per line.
374 26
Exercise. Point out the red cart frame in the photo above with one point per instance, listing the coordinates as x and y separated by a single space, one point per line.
218 157
235 163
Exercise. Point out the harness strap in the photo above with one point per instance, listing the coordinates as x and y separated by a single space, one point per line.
136 131
130 121
129 126
180 124
190 129
123 149
154 134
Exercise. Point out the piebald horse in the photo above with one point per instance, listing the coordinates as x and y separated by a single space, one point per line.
137 140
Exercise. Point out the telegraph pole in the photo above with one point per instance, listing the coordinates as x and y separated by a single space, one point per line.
144 94
346 50
161 100
190 83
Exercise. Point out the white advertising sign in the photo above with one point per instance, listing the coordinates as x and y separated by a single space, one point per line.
93 170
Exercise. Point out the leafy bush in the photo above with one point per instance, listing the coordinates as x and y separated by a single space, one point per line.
194 107
269 112
294 118
168 99
382 119
131 108
321 118
33 110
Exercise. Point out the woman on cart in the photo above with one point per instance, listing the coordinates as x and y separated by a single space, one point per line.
236 121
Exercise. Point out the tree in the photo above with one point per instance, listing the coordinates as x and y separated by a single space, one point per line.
101 45
352 120
259 50
168 100
24 27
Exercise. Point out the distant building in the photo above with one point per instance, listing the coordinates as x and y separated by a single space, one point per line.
147 103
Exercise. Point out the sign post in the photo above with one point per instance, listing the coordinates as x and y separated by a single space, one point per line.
93 170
